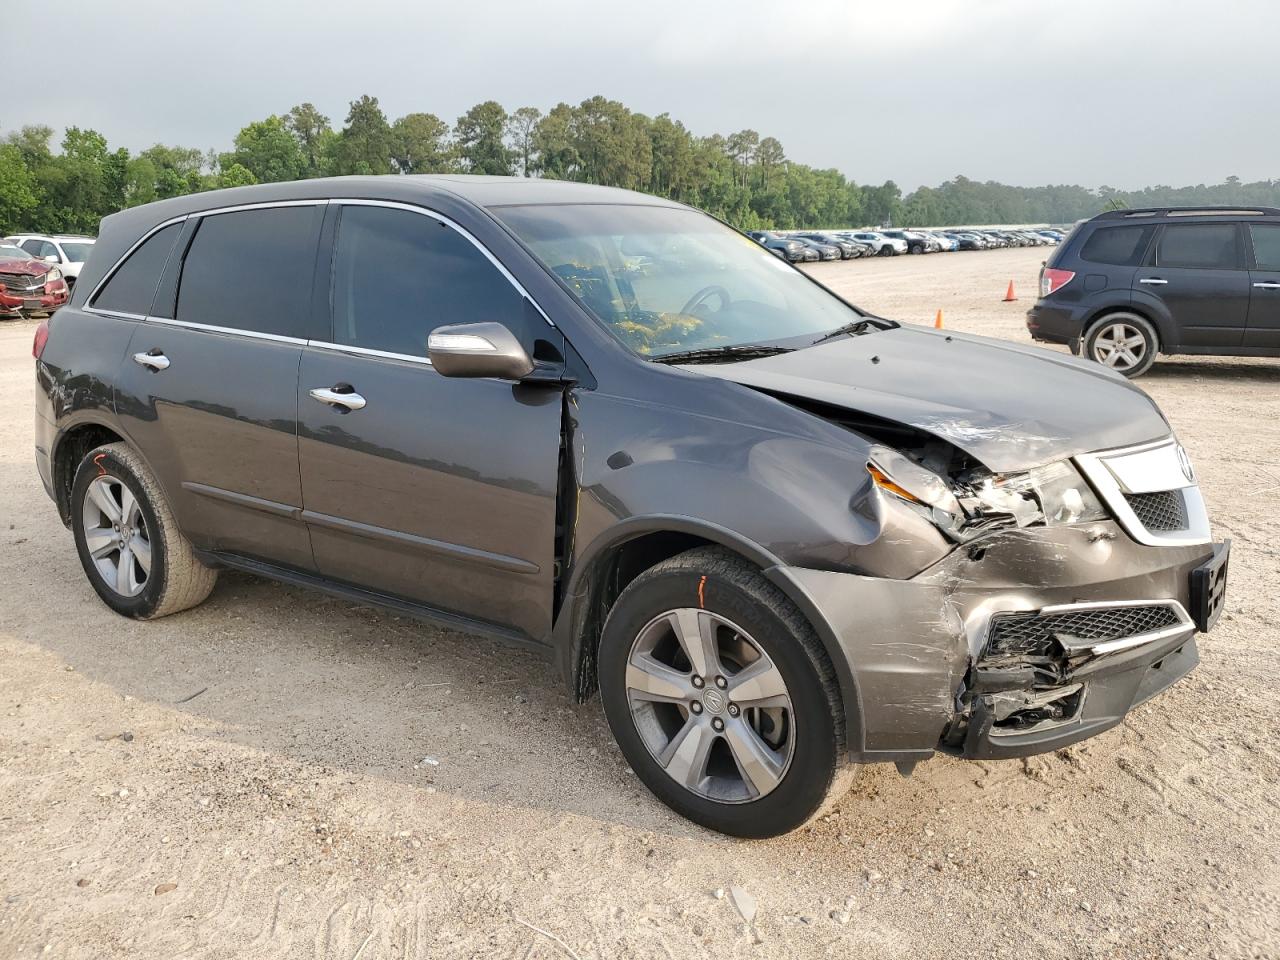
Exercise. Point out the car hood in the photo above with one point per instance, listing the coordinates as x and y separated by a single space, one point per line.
1011 407
25 267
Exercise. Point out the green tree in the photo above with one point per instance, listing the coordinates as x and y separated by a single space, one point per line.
19 194
418 144
521 128
269 150
479 135
612 144
555 154
236 175
311 129
365 144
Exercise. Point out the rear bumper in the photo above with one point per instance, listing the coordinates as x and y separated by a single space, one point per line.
915 650
1051 323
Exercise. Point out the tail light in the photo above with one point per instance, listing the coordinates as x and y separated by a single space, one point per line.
1052 280
42 337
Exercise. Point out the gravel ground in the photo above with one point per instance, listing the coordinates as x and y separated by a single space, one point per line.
279 774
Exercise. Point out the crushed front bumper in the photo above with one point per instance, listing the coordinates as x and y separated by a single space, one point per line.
924 676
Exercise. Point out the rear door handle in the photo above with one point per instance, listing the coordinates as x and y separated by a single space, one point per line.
153 359
340 395
1156 281
1268 285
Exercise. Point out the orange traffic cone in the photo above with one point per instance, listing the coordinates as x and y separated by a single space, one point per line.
937 321
1009 297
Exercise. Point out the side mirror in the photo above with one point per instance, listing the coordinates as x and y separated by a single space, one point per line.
51 258
478 350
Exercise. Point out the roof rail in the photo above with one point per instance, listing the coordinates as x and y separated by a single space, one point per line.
1239 210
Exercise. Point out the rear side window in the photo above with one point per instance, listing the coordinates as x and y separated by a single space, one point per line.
398 275
133 285
251 270
1266 245
1118 246
1211 246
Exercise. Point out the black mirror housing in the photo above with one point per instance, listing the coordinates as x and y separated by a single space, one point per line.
478 350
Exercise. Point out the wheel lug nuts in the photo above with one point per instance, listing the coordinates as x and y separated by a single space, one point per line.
733 709
717 724
721 682
697 681
696 707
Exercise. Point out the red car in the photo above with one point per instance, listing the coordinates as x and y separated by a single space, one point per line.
27 285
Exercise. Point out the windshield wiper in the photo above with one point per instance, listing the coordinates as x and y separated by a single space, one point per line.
745 351
857 326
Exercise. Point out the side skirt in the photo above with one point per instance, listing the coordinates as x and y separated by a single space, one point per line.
408 608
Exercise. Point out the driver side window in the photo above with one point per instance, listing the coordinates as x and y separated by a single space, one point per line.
397 275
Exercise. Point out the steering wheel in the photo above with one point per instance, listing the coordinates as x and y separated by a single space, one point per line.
715 290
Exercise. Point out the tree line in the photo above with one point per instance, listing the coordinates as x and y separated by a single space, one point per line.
742 178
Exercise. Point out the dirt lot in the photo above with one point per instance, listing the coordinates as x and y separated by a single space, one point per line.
251 779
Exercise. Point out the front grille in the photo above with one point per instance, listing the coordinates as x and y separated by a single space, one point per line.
20 283
1015 634
1163 511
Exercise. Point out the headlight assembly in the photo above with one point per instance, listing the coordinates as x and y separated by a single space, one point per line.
979 500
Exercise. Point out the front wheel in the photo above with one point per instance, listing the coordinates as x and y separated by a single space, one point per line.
130 546
1125 342
721 696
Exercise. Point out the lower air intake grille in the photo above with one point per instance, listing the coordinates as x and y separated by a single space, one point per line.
1162 511
1013 634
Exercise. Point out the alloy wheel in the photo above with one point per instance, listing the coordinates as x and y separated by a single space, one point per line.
1120 346
711 706
116 536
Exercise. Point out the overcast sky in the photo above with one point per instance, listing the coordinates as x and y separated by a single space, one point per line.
1121 92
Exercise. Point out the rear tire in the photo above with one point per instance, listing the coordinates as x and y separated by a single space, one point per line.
740 730
130 546
1123 341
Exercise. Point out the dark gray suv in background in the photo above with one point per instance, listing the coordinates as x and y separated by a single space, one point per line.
779 535
1130 284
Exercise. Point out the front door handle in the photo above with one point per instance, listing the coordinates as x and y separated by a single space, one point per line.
1268 285
340 395
153 359
1155 281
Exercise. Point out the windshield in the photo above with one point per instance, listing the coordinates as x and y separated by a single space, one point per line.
8 252
77 251
667 280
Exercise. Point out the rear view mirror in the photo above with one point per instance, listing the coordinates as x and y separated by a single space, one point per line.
478 350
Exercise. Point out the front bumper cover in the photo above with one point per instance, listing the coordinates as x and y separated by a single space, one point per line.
915 647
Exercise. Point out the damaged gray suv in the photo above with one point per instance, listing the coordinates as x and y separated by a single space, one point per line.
779 535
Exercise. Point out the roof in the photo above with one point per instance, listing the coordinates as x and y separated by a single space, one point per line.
1237 210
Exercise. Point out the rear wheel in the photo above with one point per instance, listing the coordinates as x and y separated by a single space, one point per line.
1125 342
135 557
721 696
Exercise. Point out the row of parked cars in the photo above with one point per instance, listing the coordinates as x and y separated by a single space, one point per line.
810 245
38 271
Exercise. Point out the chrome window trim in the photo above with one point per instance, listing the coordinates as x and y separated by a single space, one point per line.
367 352
260 205
231 331
115 314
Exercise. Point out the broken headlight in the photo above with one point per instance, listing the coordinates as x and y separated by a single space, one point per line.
976 500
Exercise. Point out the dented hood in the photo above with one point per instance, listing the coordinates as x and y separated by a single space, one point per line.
1009 406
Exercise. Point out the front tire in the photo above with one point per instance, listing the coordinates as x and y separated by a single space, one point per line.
1123 341
129 544
722 698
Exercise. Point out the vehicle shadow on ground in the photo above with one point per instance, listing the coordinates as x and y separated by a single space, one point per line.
1242 371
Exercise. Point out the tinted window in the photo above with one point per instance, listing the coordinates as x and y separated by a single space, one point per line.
1120 246
1266 245
1204 245
251 270
131 288
398 275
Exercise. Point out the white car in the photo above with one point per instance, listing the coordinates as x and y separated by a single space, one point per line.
68 252
883 246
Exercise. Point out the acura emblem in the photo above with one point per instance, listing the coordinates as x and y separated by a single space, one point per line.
1185 462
